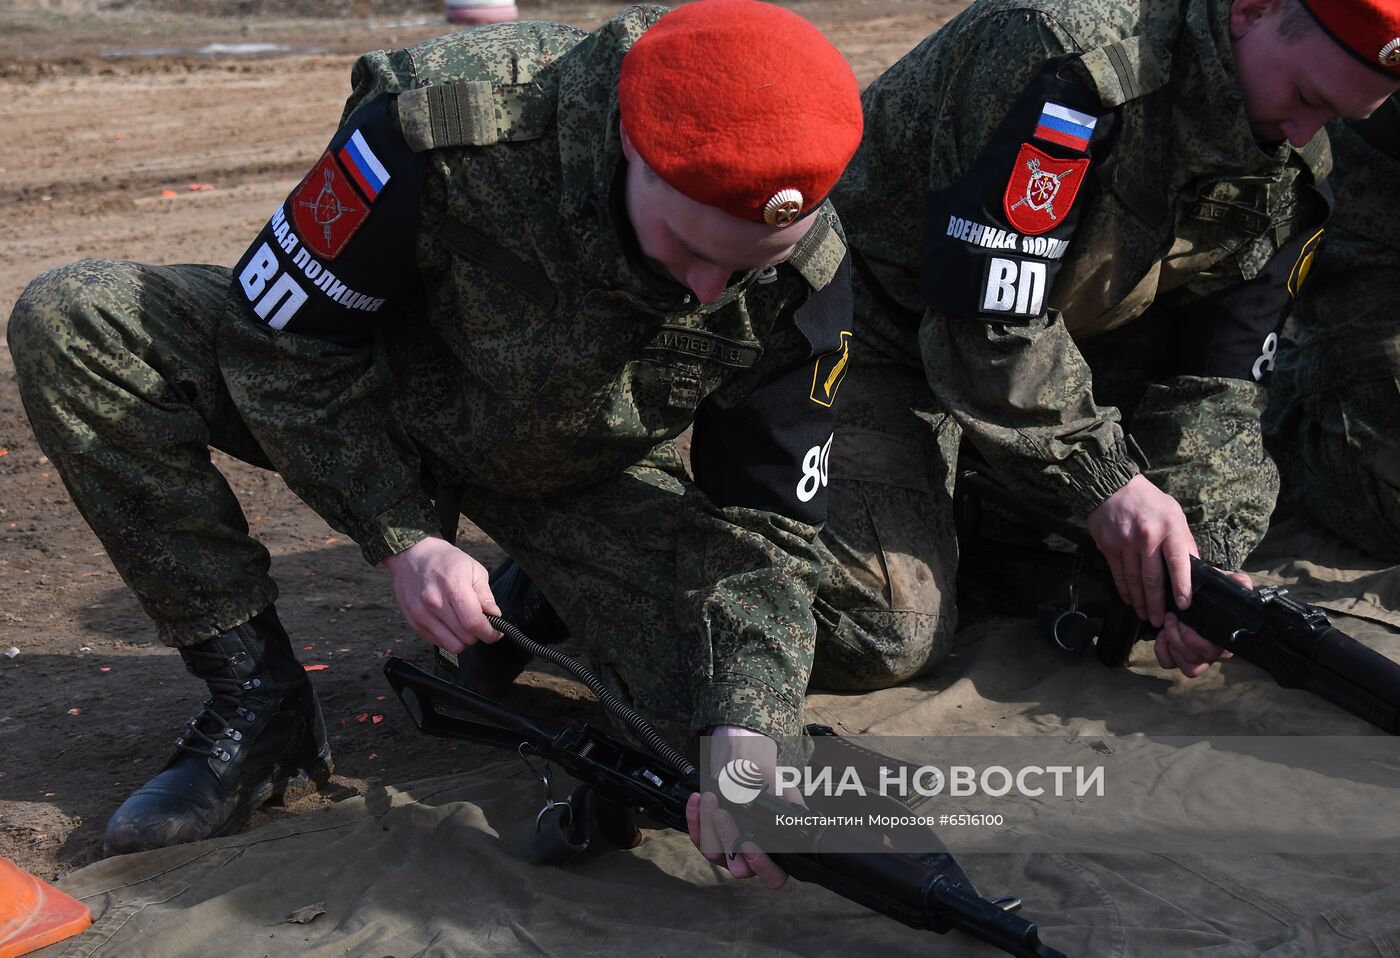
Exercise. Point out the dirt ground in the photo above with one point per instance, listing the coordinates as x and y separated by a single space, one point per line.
131 132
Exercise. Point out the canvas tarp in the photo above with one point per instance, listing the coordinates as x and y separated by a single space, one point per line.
441 867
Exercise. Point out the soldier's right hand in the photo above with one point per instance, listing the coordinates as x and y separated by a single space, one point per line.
444 594
1143 534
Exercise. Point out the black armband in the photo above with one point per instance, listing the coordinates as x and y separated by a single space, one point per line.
1234 333
771 450
994 240
342 245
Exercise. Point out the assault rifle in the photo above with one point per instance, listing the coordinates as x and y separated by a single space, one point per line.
1294 642
619 781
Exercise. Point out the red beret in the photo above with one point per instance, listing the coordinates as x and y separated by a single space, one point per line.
743 106
1367 29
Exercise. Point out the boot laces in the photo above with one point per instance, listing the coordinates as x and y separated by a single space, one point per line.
224 702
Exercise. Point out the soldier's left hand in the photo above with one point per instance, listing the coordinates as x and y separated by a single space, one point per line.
1179 646
713 830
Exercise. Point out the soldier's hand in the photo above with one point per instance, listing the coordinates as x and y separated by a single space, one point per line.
443 593
1143 534
1179 646
713 830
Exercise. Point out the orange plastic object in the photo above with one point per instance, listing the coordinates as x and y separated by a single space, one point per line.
33 913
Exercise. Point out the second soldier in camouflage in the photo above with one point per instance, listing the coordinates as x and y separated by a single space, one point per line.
1071 219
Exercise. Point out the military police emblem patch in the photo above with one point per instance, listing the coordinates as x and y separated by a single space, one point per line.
326 208
1041 190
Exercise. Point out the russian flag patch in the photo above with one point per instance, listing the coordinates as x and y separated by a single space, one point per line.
364 167
1059 124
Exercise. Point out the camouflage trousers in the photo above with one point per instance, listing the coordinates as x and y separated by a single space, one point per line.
116 370
887 605
118 374
885 609
1338 452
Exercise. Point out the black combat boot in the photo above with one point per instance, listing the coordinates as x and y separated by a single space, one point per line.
491 668
259 734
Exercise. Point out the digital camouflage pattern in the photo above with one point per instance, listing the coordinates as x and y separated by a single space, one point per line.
1187 204
1333 419
116 368
884 610
537 368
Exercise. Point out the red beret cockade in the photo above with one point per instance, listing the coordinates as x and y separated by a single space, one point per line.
1367 29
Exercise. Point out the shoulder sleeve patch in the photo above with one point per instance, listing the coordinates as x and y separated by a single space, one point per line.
818 256
342 245
994 239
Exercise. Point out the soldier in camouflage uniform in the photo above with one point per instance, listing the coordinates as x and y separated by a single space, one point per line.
489 282
1071 219
1333 419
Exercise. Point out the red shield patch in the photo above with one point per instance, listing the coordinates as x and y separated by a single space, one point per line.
326 209
1041 190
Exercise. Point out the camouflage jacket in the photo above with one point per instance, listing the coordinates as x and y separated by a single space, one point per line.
1161 201
1347 328
492 323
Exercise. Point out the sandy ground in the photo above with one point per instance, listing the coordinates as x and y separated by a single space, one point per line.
123 140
